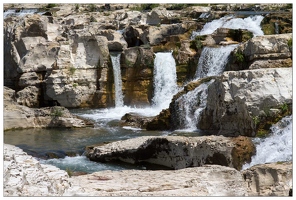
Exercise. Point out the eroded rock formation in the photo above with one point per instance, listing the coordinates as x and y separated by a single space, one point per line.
177 152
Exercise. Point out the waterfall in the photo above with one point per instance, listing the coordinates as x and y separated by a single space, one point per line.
276 27
165 80
21 13
191 105
277 147
251 23
212 60
115 59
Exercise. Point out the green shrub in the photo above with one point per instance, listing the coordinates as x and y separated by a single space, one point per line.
92 19
51 5
72 70
179 6
256 120
92 8
142 7
197 43
56 112
69 172
76 7
284 107
239 57
290 42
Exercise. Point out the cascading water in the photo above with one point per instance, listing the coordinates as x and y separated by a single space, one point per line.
165 80
20 13
213 60
251 23
276 28
277 147
115 59
190 107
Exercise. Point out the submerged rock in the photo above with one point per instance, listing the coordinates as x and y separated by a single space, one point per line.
176 152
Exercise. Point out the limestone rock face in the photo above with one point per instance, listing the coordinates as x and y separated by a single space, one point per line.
274 179
208 180
28 97
236 98
268 46
175 152
116 41
137 75
17 116
25 176
39 54
268 51
29 79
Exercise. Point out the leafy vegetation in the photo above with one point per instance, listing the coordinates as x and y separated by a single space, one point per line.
256 120
51 5
290 42
284 108
239 56
56 112
179 6
144 7
69 172
197 43
92 19
92 8
72 70
76 7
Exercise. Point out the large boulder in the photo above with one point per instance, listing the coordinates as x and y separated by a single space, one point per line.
273 179
236 99
28 96
267 51
74 80
208 180
176 152
17 116
25 176
234 103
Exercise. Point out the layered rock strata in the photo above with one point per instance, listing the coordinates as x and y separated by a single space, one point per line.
18 116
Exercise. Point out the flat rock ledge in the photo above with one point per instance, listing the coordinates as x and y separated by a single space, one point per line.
25 176
177 152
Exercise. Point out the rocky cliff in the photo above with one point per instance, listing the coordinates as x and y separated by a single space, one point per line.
62 56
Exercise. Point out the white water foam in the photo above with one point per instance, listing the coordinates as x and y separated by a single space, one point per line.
212 60
79 163
191 105
275 148
21 13
115 59
251 23
165 80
